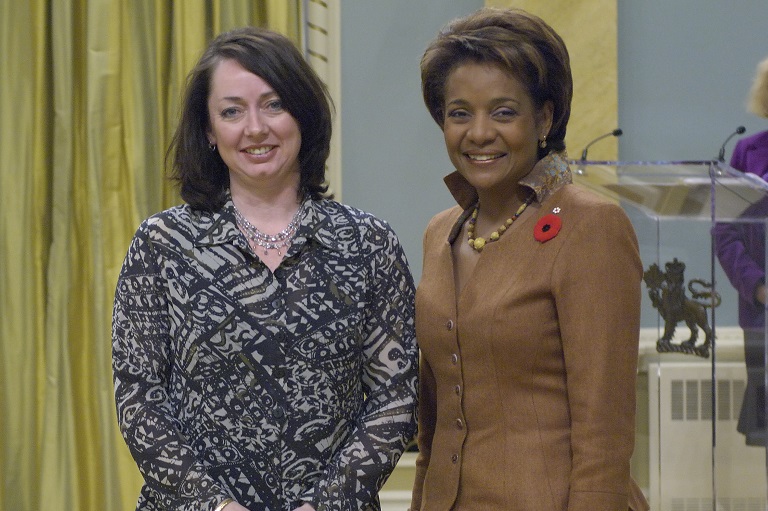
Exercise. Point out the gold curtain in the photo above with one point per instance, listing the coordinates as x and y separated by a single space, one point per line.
89 91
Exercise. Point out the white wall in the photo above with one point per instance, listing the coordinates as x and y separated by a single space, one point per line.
393 154
685 68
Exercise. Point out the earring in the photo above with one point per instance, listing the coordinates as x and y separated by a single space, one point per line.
212 147
543 142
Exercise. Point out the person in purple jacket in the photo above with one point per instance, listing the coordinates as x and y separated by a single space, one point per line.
740 248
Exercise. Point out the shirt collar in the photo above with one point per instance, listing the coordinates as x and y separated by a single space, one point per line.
317 225
548 175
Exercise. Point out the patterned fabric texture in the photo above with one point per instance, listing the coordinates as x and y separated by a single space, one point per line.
549 175
271 388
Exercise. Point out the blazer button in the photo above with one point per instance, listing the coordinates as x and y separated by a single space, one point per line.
457 389
455 359
449 324
455 458
459 424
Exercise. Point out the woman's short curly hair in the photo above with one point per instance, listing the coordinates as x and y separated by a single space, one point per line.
518 42
202 175
758 95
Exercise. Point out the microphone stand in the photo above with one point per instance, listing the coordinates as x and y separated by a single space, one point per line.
721 155
615 133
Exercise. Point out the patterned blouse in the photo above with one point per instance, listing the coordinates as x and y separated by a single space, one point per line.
270 388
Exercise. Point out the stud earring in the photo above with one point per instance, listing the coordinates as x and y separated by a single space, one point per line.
543 142
212 147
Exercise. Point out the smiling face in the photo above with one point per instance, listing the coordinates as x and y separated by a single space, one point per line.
491 126
256 137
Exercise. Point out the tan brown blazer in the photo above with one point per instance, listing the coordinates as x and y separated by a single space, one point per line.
527 391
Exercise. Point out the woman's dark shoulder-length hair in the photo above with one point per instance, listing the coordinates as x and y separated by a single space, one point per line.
518 42
200 172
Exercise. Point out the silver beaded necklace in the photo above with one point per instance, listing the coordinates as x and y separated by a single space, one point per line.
268 241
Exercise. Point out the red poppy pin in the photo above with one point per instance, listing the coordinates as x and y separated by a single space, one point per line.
547 227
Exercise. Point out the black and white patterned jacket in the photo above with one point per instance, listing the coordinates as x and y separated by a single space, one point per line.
271 388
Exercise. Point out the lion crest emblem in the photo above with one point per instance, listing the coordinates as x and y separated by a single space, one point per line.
667 292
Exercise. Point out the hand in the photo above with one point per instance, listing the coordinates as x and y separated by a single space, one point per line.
234 506
305 507
760 294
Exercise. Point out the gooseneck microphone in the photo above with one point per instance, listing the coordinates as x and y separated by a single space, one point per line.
615 133
721 155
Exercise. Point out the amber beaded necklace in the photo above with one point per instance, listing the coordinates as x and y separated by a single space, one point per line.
479 243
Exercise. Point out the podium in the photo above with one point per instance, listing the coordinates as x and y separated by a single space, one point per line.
693 376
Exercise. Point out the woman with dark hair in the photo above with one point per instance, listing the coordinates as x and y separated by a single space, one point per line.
263 342
528 309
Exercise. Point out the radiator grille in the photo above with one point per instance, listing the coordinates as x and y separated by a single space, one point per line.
691 400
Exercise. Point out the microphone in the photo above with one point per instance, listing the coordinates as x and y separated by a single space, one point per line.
615 133
721 154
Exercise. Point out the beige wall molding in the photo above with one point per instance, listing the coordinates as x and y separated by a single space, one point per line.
321 35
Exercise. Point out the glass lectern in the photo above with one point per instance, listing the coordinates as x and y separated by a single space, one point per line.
701 388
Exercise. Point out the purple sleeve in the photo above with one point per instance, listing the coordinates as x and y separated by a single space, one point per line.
732 245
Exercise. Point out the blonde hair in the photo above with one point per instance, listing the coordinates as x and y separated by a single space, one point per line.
758 96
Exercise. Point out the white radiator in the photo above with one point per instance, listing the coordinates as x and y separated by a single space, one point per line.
681 441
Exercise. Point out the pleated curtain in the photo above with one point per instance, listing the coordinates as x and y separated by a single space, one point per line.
89 95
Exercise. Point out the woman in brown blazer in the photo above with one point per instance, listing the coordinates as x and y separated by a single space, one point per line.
528 309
